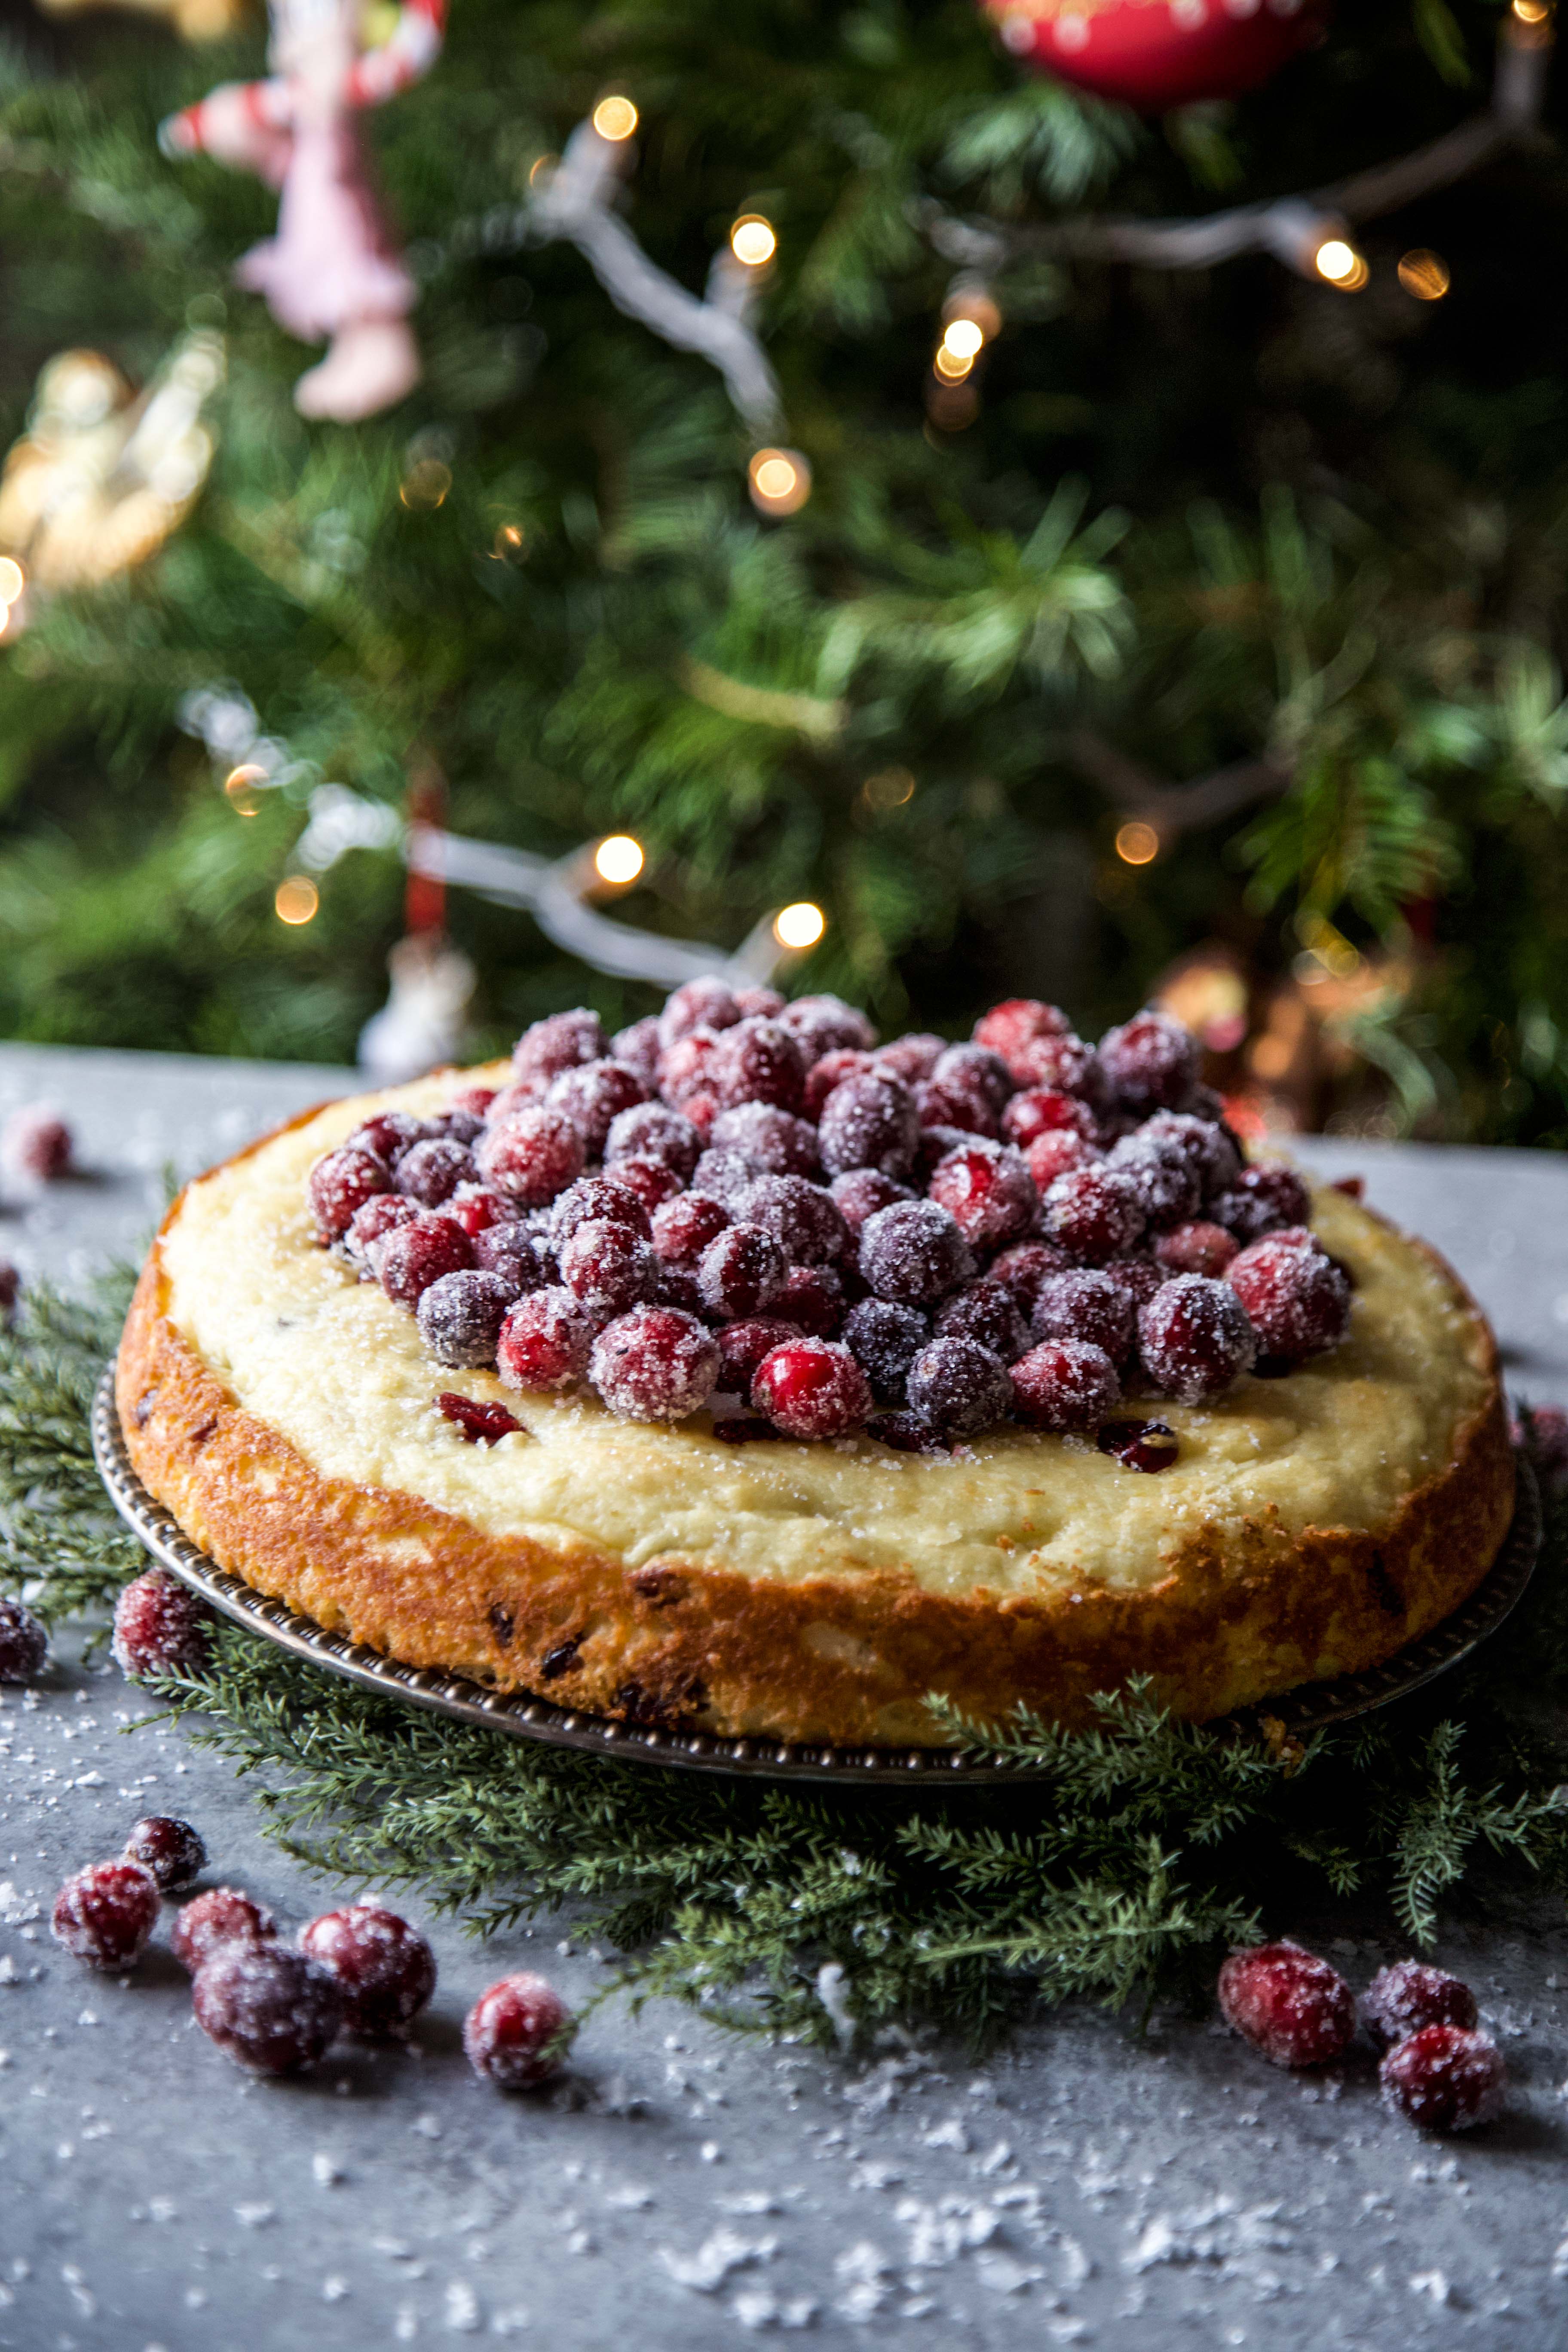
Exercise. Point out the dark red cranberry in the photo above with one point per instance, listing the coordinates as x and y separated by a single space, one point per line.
460 1317
212 1921
431 1172
1194 1337
869 1121
1139 1444
907 1432
1205 1143
706 1004
862 1192
593 1097
741 1272
1197 1248
652 1130
544 1342
958 1386
757 1061
477 1208
812 1387
1352 1187
759 1003
608 1269
1064 1384
10 1288
960 1102
159 1628
1139 1277
1401 1999
986 1312
1025 1267
268 2007
934 1145
913 1253
650 1179
464 1127
1040 1111
1288 2003
655 1364
802 1218
832 1069
385 1971
171 1849
369 1226
811 1297
884 1339
106 1913
475 1100
724 1175
339 1183
683 1228
512 1254
560 1042
1060 1064
1444 2079
745 1428
1152 1060
1295 1297
743 1345
1011 1024
477 1424
1056 1153
686 1067
825 1025
1083 1304
414 1255
387 1134
37 1142
988 1192
1093 1213
639 1047
975 1066
602 1198
773 1142
1163 1176
912 1057
1263 1198
518 2032
24 1644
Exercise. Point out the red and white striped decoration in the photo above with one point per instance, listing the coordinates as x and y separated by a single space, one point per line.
238 122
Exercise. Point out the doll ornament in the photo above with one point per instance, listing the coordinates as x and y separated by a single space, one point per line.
332 272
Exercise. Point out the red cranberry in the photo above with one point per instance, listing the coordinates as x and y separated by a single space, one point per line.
1262 1199
1194 1337
706 1004
387 1134
812 1298
802 1218
593 1097
869 1121
771 1140
960 1102
684 1068
638 1048
453 1126
518 2032
431 1172
608 1267
474 1100
655 1364
934 1145
1444 2079
513 1253
987 1313
370 1226
913 1253
652 1130
1061 1062
1205 1143
683 1228
1163 1177
414 1255
812 1387
884 1339
741 1272
106 1913
532 1155
1012 1024
650 1179
37 1142
759 1003
825 1025
477 1208
1401 1999
339 1183
907 1432
724 1175
544 1342
24 1644
1082 1305
743 1345
1295 1297
1288 2003
557 1043
269 2007
757 1061
1149 1446
958 1386
214 1921
1197 1248
862 1192
988 1193
1056 1153
1093 1213
1040 1111
1152 1060
1139 1277
477 1424
848 1062
518 1097
913 1057
172 1850
702 1109
385 1970
1025 1267
1064 1384
460 1317
159 1628
975 1066
606 1198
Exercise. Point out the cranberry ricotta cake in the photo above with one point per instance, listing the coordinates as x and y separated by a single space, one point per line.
742 1373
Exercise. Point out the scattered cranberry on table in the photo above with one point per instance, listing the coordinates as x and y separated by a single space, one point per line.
385 1970
24 1644
1401 1999
270 2009
105 1914
159 1628
1444 2078
1290 2005
171 1849
37 1142
517 2032
222 1916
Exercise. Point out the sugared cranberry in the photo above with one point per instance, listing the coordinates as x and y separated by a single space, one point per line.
171 1849
1196 1248
1163 1177
650 1179
825 1025
342 1182
1060 1064
1207 1144
1263 1198
544 1342
1011 1024
559 1043
988 1193
743 1345
812 1387
684 1068
724 1174
597 1197
862 1192
1064 1384
1093 1213
477 1099
1084 1305
655 1364
741 1272
531 1155
477 1208
269 2007
907 1432
869 1121
1040 1111
512 1254
757 1061
638 1048
593 1097
683 1228
912 1057
759 1003
1295 1297
385 1971
934 1145
975 1066
1139 1444
961 1102
37 1142
958 1386
370 1224
1152 1060
518 2032
105 1914
652 1130
386 1133
914 1252
802 1218
24 1644
832 1069
1056 1153
811 1297
1444 2079
706 1004
1140 1277
1401 1999
773 1141
414 1255
608 1269
1194 1337
986 1312
884 1339
1293 2006
159 1628
476 1422
431 1172
214 1920
1025 1267
460 1317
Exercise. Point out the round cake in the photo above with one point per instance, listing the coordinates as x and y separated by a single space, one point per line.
741 1375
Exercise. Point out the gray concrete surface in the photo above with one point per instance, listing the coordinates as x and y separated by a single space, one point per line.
682 2189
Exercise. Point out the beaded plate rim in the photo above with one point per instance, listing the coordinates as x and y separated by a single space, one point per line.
1293 1713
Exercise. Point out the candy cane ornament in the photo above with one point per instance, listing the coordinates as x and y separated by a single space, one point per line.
333 272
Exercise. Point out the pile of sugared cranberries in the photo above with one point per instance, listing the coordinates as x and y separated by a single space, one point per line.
1437 2069
932 1239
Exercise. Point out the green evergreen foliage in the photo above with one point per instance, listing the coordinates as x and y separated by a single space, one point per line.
1205 518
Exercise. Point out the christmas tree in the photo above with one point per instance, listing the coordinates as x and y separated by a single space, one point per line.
1146 625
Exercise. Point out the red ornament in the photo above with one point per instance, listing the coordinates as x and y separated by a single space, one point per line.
1156 54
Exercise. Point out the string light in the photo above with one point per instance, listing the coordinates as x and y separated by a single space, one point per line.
752 241
1533 12
892 788
242 787
297 899
541 167
511 543
1137 844
1425 274
615 118
618 858
780 481
800 926
951 366
13 580
964 339
1341 265
427 483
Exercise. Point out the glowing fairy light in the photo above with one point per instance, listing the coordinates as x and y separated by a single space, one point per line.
752 241
618 859
780 481
1137 844
800 926
297 899
615 118
1341 264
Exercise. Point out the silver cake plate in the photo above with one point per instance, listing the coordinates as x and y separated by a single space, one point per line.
1293 1714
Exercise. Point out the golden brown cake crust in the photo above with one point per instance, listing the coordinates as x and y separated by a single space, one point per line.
1242 1612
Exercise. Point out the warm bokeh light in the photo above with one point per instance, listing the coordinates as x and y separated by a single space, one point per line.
615 117
511 543
800 926
1137 844
1341 264
780 481
541 166
951 366
5 618
964 339
1424 274
975 304
13 580
751 240
1533 12
618 858
427 483
244 786
297 899
890 788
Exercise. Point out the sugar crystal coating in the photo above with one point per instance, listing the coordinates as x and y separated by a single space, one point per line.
912 1057
825 1025
532 1154
757 1061
773 1142
430 1171
1401 1999
518 2031
869 1121
986 1312
652 1130
1444 2079
544 1342
1085 1304
559 1043
608 1196
221 1917
512 1254
651 1181
269 2007
1297 1298
812 1387
845 1062
160 1627
1040 1110
1064 1384
385 1969
958 1386
1152 1060
885 1338
608 1267
741 1272
913 1253
171 1849
1094 1214
1165 1177
460 1316
706 1004
1290 2005
1055 1154
988 1192
1263 1197
638 1048
861 1193
412 1255
1026 1267
339 1183
105 1914
683 1228
593 1097
655 1363
802 1218
1194 1337
1012 1024
743 1345
1196 1248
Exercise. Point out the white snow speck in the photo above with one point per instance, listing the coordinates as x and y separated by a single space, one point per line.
758 2307
254 2217
334 2289
325 2169
463 2315
1433 2284
952 2134
720 2254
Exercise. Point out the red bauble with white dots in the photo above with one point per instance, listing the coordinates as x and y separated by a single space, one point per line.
1157 53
